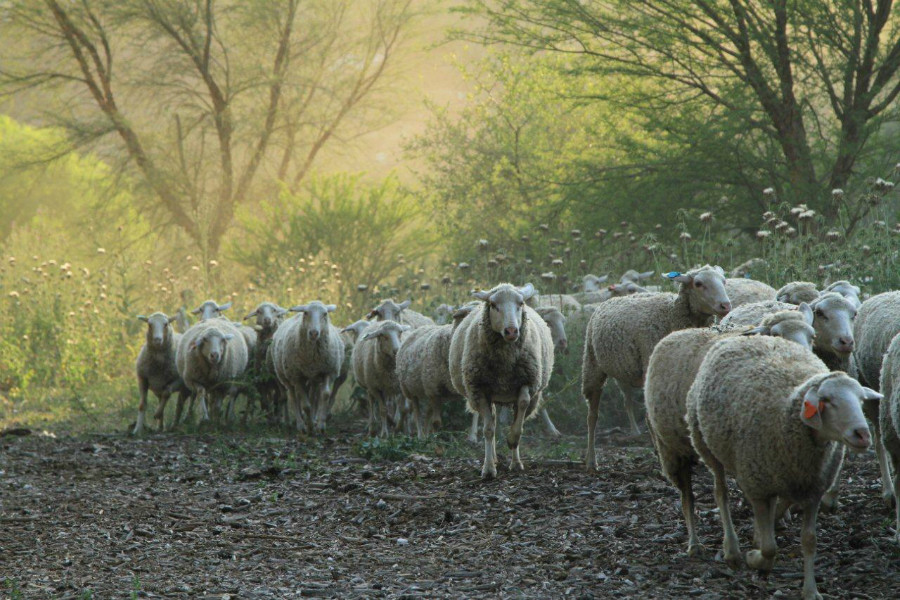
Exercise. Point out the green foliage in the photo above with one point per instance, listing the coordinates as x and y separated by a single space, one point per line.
395 447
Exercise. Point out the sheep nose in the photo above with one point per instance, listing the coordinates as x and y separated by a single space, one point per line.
214 356
845 344
157 339
511 333
861 437
724 308
313 334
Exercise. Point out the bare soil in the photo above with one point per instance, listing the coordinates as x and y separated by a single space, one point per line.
108 516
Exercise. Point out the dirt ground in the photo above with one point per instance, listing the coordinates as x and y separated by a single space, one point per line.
108 516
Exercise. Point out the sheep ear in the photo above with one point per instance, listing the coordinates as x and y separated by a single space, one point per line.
196 311
228 336
372 313
811 410
370 335
173 318
281 311
612 287
330 307
192 346
807 312
870 394
143 318
527 291
481 294
257 328
405 327
757 331
678 277
251 315
646 274
225 306
405 304
719 270
299 308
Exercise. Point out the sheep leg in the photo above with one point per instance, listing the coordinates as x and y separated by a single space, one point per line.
160 413
764 527
552 431
593 414
143 386
417 417
179 408
808 547
204 409
473 430
486 410
324 403
373 417
829 500
895 459
888 489
730 544
434 422
515 430
632 400
682 477
301 399
383 411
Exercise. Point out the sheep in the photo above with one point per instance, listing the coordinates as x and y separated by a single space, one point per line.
889 425
211 357
566 303
268 317
308 353
557 324
796 292
443 313
847 290
770 412
374 360
391 311
877 323
592 283
211 309
623 331
155 368
745 291
423 371
502 353
673 366
833 321
745 269
611 291
350 334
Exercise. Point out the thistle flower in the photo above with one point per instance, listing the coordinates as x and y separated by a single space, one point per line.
797 210
768 215
213 263
583 264
883 186
425 286
866 250
12 260
807 215
195 268
500 258
762 234
14 294
557 262
600 233
525 239
658 227
101 250
837 193
544 227
790 232
623 224
548 276
685 236
706 217
617 235
362 287
769 193
493 263
575 233
463 266
782 226
446 280
482 244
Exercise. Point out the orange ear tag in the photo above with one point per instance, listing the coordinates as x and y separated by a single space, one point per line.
810 410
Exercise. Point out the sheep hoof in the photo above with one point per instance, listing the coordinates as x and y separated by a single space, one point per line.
488 473
695 549
756 560
828 504
888 500
516 465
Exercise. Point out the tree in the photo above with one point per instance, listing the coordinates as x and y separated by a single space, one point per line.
774 69
207 103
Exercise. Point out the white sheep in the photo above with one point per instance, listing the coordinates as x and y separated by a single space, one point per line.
308 353
622 333
611 291
747 268
213 310
889 425
593 283
566 303
156 369
211 357
673 366
743 291
877 323
847 290
350 334
633 276
374 360
267 317
796 292
502 353
391 311
443 313
769 412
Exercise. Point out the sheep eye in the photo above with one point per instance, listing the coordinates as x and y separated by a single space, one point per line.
698 284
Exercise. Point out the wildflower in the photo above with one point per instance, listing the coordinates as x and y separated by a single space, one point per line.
617 235
103 296
768 215
583 264
806 215
493 263
548 276
685 236
796 211
86 272
883 186
837 193
14 294
658 227
101 250
557 262
446 280
623 224
500 258
575 233
762 234
51 262
544 227
289 290
463 266
769 193
425 286
195 268
482 244
599 233
12 260
782 226
866 250
525 239
706 217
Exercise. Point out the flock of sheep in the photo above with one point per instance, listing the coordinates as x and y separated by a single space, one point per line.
769 386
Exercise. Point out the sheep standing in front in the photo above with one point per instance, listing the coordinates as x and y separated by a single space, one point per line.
745 291
877 323
673 366
889 424
374 367
769 412
308 352
211 357
502 353
622 333
391 311
156 369
213 310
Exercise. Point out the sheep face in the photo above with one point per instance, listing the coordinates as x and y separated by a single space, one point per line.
267 315
706 288
833 322
315 318
800 331
506 304
592 283
847 290
210 309
387 337
388 310
158 330
634 276
557 323
212 346
833 407
626 289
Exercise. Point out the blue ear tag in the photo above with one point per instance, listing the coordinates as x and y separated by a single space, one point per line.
672 274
